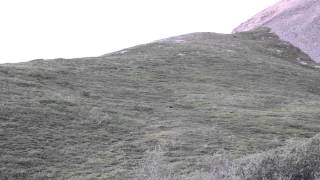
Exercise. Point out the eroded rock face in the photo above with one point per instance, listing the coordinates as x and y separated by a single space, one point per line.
296 21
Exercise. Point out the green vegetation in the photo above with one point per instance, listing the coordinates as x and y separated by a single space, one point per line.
300 160
194 95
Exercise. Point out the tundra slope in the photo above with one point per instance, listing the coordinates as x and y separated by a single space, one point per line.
296 21
195 95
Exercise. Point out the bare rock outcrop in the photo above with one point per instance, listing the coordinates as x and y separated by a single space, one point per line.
296 21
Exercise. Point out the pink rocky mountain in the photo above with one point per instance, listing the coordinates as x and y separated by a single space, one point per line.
295 21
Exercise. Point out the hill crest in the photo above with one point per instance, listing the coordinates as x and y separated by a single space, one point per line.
296 21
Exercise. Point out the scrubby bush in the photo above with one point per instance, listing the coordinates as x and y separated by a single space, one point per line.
154 167
294 162
300 161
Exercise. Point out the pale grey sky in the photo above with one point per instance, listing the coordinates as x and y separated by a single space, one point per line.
46 29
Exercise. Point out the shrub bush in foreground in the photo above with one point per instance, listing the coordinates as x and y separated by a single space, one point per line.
299 161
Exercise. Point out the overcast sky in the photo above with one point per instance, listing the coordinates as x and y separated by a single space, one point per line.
46 29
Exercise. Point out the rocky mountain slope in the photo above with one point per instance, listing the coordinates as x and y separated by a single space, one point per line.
194 95
296 21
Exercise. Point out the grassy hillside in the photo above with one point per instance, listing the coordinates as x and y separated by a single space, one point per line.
195 95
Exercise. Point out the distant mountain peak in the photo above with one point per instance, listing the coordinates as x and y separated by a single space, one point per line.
296 21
